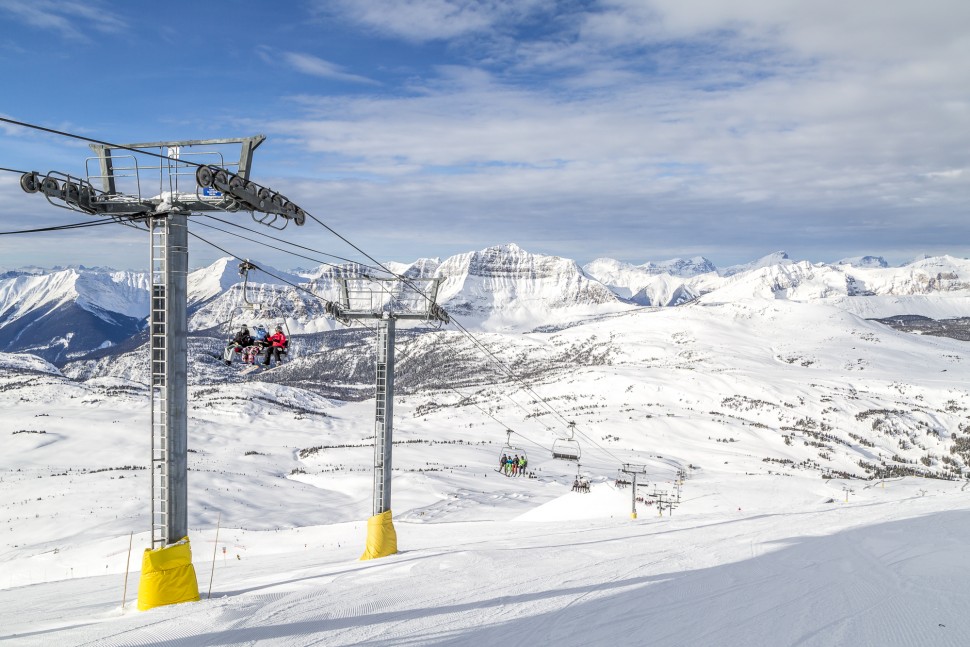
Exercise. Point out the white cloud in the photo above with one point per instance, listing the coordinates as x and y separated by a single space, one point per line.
73 20
427 20
314 66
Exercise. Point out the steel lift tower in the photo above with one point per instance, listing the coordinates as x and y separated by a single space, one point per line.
385 301
157 185
634 470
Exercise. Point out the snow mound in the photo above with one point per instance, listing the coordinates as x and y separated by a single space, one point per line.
22 362
601 502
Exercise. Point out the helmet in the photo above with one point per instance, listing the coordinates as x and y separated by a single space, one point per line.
279 327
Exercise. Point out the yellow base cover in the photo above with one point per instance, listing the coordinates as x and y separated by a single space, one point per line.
167 576
381 537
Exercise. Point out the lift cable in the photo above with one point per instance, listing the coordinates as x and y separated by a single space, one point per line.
279 249
76 225
275 276
465 331
309 249
463 396
355 264
507 369
91 140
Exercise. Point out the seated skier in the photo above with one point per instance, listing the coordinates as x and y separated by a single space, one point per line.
237 344
276 346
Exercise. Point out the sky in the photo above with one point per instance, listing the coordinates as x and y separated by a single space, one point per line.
640 130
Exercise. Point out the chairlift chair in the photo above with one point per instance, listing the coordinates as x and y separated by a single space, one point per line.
511 450
582 481
567 449
250 313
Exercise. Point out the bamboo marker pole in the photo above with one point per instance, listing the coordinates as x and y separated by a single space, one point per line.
124 596
212 573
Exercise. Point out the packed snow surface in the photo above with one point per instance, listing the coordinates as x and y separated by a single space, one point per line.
754 401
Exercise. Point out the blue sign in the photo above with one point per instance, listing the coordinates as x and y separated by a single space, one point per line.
210 192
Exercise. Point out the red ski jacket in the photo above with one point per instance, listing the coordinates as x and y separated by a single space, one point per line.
277 339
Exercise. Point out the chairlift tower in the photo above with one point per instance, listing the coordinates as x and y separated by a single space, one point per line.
634 470
157 185
385 301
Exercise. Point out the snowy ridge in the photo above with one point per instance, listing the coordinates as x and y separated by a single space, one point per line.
15 362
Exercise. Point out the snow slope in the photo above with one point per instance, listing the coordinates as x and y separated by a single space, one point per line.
754 400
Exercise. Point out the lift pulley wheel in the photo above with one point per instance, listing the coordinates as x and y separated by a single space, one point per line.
203 175
29 182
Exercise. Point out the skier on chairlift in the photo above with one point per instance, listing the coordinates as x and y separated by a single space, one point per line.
241 340
276 346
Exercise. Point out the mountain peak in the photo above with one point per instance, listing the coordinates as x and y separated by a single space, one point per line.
864 261
776 258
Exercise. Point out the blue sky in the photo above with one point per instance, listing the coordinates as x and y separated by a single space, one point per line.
637 130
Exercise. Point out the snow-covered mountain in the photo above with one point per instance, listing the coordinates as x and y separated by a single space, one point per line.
651 284
506 287
61 315
777 258
864 261
66 313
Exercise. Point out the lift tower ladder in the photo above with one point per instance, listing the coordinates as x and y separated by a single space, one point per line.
386 300
383 414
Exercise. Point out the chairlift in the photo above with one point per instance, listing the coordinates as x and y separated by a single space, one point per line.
581 483
567 449
622 479
250 314
510 450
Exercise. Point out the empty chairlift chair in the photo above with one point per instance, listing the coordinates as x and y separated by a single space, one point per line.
567 449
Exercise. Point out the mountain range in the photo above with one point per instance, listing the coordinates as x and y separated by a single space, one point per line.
64 315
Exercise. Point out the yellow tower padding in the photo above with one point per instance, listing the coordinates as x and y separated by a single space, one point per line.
167 576
381 536
633 515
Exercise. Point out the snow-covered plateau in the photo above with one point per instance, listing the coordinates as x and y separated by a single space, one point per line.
804 467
